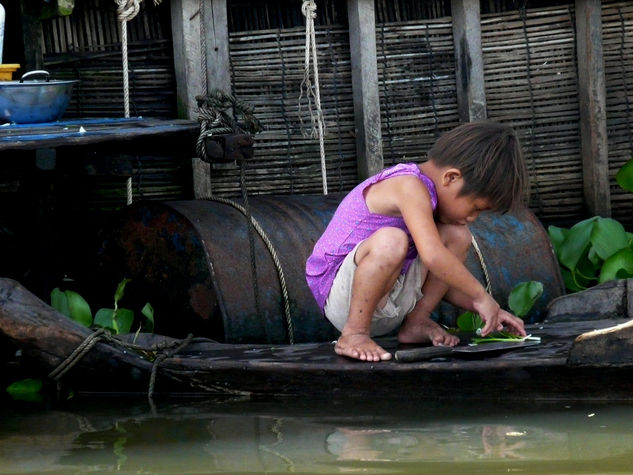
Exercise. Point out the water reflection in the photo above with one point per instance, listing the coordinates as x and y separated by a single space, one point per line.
298 436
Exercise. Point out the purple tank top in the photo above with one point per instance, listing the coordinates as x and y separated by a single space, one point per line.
353 222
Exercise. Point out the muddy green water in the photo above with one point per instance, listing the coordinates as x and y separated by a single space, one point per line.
241 436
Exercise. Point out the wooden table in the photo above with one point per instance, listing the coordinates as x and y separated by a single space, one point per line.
88 131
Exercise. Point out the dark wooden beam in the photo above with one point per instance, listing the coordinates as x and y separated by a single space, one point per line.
593 109
469 69
362 38
32 36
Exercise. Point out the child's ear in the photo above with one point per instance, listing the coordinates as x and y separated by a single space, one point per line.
451 175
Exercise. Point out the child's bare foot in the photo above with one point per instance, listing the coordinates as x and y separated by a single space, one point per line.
425 330
361 347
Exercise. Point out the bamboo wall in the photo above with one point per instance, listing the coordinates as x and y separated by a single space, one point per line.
267 68
617 43
87 46
531 83
530 73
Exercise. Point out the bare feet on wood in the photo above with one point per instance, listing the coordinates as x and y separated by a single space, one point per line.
425 331
361 347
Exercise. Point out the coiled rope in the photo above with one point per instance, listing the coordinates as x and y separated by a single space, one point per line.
312 92
215 119
159 353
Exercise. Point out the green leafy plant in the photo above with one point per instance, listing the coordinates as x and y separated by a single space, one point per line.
597 249
592 251
521 299
117 320
26 390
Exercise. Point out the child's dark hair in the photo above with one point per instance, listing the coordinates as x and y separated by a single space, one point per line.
488 154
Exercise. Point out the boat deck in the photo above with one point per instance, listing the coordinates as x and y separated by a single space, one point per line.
538 372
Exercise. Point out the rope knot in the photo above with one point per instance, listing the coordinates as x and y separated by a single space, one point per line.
309 9
127 9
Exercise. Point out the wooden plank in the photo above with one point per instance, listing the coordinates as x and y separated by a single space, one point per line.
362 38
469 71
308 369
592 102
66 133
185 24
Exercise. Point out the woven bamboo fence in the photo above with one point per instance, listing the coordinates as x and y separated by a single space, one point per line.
531 84
617 44
87 46
267 68
529 67
416 75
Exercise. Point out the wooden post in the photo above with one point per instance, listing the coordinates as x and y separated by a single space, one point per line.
200 37
185 27
469 65
593 109
362 38
32 36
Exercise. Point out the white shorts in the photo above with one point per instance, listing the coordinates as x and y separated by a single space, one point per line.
399 303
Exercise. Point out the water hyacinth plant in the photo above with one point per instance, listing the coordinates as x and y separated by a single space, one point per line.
597 249
520 301
117 320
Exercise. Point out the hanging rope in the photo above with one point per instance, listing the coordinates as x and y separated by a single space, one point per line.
126 10
484 268
312 90
284 116
386 93
623 74
528 59
274 256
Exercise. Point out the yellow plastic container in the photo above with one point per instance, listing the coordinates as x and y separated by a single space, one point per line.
7 70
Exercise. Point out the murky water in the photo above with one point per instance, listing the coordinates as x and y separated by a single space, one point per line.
230 436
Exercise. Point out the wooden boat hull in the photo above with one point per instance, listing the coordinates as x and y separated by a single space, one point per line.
309 369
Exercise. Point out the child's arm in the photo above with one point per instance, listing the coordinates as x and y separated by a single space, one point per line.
407 196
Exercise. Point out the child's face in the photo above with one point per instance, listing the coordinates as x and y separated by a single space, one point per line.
453 208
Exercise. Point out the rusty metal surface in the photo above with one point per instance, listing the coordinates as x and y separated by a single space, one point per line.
516 248
193 259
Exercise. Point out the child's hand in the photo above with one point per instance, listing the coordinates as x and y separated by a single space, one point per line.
513 324
497 318
489 311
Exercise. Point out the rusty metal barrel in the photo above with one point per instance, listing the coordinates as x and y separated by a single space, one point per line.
192 260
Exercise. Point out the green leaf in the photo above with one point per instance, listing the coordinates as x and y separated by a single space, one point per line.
148 312
619 265
123 320
59 301
557 236
79 308
26 390
469 322
570 283
607 237
624 177
103 319
576 243
594 258
118 295
523 297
